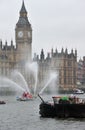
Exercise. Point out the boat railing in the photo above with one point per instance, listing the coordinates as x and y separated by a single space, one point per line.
56 99
68 100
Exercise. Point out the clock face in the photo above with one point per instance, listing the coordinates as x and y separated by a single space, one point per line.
20 34
29 34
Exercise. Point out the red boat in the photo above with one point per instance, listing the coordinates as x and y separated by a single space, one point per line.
25 97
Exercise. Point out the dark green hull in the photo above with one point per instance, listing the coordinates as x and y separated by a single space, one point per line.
62 110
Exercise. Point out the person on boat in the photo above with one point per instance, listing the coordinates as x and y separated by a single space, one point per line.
24 95
64 100
28 95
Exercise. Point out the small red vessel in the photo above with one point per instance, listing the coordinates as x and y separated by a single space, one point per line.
25 97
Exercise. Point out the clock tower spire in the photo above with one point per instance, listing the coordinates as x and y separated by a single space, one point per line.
23 11
23 35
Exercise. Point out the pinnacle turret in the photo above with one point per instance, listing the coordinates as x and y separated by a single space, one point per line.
23 11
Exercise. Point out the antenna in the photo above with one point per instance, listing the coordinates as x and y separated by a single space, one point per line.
41 98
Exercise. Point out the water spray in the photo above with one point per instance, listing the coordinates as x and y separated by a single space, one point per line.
34 69
52 77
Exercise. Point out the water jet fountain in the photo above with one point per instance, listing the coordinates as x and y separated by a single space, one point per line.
53 76
34 70
19 78
8 85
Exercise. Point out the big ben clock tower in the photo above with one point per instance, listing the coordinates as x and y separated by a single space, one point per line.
23 36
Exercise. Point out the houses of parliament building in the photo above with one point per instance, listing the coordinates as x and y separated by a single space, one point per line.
14 58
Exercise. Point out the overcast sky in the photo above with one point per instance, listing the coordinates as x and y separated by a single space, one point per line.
55 23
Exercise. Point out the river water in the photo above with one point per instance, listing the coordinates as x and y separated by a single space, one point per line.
16 115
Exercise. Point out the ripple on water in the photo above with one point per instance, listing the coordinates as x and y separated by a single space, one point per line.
16 115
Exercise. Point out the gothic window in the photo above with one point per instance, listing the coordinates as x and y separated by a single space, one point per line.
64 80
69 63
70 80
64 73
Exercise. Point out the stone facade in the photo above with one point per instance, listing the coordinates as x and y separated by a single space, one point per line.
81 72
14 56
64 64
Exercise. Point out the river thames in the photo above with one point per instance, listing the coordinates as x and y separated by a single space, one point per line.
16 115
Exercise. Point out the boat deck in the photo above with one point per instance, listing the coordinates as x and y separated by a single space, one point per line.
63 107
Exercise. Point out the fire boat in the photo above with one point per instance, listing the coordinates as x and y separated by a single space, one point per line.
63 107
25 97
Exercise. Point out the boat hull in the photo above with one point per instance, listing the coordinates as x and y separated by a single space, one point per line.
24 99
62 110
2 102
70 110
47 110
